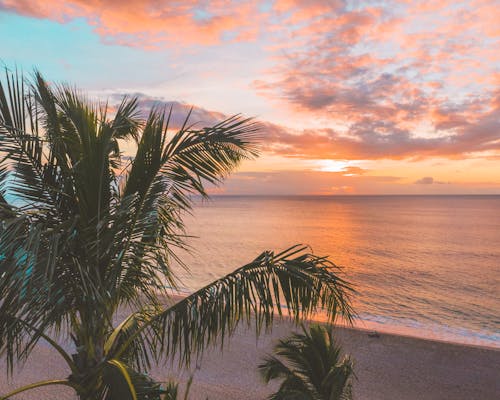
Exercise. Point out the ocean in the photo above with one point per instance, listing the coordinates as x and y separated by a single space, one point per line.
427 266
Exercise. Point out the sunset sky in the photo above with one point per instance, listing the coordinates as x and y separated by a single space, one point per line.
375 97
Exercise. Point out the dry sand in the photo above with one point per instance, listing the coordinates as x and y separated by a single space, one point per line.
388 367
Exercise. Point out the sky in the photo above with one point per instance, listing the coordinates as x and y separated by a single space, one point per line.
354 97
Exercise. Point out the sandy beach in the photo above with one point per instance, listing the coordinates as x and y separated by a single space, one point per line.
387 367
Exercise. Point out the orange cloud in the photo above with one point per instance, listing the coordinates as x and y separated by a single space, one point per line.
149 23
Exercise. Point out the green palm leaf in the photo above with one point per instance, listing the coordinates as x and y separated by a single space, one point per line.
119 382
292 283
309 366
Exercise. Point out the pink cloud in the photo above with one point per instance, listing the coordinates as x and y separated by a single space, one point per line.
370 138
406 80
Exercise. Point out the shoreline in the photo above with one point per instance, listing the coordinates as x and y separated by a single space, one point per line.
423 338
387 367
386 329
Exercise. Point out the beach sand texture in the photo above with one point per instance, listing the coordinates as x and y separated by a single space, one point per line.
387 367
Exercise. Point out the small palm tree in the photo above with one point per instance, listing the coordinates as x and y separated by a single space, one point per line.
86 231
310 366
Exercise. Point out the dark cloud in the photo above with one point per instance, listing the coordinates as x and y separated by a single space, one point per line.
199 116
428 180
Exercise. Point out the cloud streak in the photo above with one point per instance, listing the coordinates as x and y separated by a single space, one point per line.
367 139
303 183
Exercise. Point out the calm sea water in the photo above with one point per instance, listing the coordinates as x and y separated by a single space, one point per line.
422 265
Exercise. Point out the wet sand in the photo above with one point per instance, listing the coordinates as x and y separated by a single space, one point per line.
387 367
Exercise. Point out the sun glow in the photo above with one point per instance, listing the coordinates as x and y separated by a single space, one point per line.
334 165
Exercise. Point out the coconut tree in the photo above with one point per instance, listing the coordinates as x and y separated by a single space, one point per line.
87 231
310 367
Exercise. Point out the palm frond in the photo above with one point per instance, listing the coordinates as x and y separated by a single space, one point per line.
292 283
127 119
163 175
138 353
309 366
63 382
118 382
190 157
22 161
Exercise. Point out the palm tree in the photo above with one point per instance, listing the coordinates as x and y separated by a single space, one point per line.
86 231
310 367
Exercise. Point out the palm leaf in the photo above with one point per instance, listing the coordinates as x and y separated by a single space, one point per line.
36 385
292 283
119 382
22 168
309 366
